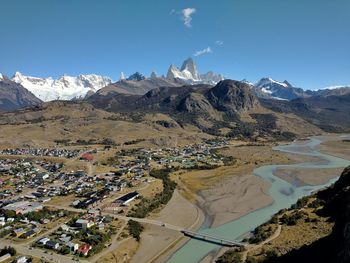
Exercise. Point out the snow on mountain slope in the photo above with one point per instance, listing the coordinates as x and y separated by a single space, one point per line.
269 81
189 74
186 75
64 88
267 87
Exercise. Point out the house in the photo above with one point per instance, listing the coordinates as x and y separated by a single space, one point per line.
52 245
44 221
18 232
23 207
94 212
5 257
64 238
84 224
29 234
65 227
43 241
87 157
84 249
21 259
75 203
125 199
72 246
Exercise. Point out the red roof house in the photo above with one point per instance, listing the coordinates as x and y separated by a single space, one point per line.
84 249
87 157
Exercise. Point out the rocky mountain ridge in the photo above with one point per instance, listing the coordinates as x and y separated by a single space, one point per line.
14 96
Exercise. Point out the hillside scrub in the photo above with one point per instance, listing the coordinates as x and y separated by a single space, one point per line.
146 206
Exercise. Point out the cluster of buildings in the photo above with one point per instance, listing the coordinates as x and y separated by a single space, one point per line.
65 153
36 182
23 207
26 175
25 219
69 235
186 157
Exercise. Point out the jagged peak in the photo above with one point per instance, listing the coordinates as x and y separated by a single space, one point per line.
136 76
153 75
188 63
122 76
268 81
191 67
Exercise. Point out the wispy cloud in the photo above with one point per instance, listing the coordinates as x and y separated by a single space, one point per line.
219 43
202 52
187 16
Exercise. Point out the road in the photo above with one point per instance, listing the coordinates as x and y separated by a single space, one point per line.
254 247
114 244
146 221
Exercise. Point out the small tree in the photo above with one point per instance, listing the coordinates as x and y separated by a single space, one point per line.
8 250
135 229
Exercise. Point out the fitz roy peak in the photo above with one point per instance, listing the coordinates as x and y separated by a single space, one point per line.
64 88
190 75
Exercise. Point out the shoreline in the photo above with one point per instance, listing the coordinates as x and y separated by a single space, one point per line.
191 217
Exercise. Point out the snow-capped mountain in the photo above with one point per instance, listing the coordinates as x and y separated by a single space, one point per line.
189 74
267 87
1 77
64 88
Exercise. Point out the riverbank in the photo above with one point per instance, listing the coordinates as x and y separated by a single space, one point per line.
230 192
337 146
179 212
283 193
224 194
332 145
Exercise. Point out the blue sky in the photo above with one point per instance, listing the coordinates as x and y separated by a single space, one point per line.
303 41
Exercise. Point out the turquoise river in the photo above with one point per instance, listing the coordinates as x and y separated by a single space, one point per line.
282 192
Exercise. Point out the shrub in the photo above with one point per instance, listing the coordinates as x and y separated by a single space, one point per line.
8 250
230 256
135 229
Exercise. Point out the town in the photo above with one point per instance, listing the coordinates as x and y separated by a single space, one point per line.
50 212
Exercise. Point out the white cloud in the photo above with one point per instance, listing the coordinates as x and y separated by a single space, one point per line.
203 51
187 16
219 43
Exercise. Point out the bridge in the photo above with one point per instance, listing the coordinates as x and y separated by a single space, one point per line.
212 239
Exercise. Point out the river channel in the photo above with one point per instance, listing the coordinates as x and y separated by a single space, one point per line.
283 193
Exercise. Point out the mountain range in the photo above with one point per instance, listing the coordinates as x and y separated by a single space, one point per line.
269 88
189 98
82 86
63 88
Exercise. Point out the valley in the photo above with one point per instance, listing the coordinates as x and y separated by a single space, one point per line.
171 158
174 131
